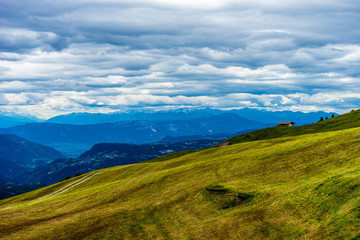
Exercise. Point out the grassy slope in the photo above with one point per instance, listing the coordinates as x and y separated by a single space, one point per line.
304 187
345 121
341 122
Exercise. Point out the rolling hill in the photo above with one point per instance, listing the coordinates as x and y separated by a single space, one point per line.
106 155
297 187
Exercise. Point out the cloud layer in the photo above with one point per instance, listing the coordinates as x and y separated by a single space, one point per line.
58 57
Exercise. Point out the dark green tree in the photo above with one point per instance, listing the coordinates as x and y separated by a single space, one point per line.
326 118
321 119
332 115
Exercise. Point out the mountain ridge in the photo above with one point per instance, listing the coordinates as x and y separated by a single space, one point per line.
11 120
134 131
18 154
187 114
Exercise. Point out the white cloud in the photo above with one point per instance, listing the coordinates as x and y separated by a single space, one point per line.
3 99
15 86
351 54
58 57
24 98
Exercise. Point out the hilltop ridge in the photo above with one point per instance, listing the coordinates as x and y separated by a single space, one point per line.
344 121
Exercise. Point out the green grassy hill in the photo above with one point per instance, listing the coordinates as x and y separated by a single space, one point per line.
300 187
344 121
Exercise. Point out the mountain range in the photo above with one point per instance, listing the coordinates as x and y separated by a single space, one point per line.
189 114
69 133
135 132
83 118
10 120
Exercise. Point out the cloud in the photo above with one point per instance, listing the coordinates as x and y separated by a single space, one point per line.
3 99
15 86
23 39
85 55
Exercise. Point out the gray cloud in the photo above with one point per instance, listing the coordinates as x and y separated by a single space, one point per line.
63 56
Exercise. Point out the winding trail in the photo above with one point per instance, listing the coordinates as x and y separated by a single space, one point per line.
69 186
57 192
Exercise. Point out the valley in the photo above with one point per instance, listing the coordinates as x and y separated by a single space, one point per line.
106 155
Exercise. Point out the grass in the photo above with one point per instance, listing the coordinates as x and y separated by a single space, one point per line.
341 122
171 156
299 187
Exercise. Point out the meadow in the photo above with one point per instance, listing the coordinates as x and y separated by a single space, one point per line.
297 187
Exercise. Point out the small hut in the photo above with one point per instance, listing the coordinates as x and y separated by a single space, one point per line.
285 124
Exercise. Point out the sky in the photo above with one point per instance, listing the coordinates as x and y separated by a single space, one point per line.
62 56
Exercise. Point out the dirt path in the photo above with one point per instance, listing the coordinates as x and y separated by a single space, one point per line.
57 192
71 185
